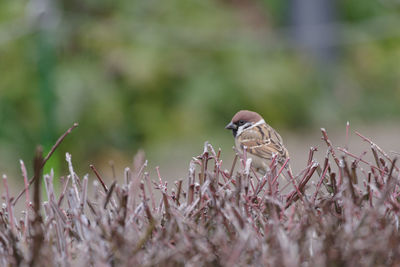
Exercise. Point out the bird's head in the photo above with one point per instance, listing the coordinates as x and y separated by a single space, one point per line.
243 120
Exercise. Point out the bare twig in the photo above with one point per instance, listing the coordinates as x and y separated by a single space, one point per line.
99 177
377 147
9 206
37 223
329 144
58 142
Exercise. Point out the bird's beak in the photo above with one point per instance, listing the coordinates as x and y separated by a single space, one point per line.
231 126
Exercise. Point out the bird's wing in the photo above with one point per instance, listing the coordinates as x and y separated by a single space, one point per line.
263 141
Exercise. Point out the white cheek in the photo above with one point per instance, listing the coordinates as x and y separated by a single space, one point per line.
249 125
242 128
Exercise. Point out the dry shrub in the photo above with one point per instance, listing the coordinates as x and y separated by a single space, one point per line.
348 216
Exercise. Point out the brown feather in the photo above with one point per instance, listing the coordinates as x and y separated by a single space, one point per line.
260 139
262 142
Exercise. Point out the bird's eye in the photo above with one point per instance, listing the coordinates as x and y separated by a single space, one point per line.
241 122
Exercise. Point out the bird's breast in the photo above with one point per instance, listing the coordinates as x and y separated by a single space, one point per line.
258 163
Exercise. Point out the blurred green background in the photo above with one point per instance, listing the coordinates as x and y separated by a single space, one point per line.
166 76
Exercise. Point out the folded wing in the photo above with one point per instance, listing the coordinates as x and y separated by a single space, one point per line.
263 141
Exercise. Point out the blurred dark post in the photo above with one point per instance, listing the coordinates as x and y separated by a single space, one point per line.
45 16
315 35
314 28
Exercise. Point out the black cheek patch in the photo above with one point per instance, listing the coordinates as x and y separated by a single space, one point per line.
234 132
246 126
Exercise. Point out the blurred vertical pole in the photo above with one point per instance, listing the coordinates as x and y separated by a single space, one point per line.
314 28
315 33
45 16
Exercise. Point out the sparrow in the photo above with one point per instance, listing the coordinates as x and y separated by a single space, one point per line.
261 140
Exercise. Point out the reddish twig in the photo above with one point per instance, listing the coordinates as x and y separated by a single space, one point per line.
321 179
233 165
377 147
347 135
9 206
27 197
359 159
329 144
99 177
280 171
58 142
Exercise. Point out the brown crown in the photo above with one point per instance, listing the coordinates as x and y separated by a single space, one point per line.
246 115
